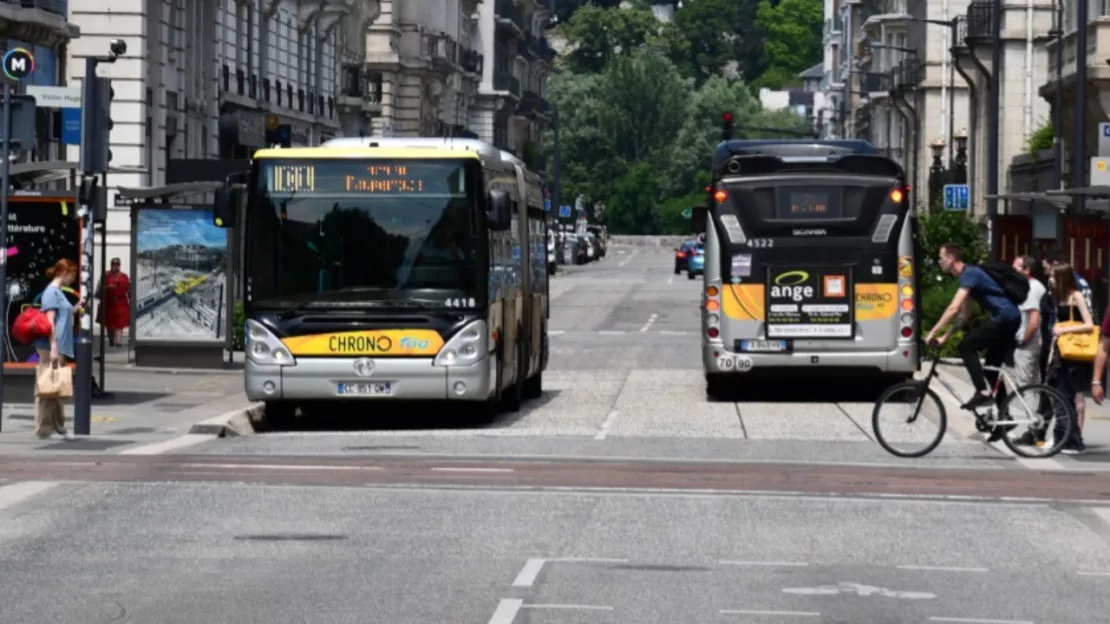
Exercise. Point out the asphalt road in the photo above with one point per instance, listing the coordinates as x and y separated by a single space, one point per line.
620 496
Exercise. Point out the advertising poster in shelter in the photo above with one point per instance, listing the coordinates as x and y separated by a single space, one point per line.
41 231
180 276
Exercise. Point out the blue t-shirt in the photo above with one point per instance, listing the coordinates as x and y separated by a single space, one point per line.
54 299
989 295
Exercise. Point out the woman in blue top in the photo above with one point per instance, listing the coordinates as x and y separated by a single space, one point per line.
50 416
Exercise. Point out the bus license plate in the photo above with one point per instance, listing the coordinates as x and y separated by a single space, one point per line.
365 389
764 345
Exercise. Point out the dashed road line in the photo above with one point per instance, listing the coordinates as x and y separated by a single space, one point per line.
959 620
19 492
671 332
1083 573
649 323
611 332
528 573
922 568
770 613
629 258
506 611
603 432
556 332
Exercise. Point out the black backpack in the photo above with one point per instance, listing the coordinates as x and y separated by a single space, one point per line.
1012 282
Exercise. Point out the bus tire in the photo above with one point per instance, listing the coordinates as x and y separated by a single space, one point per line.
280 415
514 395
716 387
533 386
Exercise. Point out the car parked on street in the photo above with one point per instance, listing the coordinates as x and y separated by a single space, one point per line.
695 261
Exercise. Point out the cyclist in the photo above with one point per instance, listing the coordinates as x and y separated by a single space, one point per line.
996 336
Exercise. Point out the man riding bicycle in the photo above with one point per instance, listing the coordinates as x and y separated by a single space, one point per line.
996 336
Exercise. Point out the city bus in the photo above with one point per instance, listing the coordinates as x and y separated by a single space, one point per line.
811 263
391 269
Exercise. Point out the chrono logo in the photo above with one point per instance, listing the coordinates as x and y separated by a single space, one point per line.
792 285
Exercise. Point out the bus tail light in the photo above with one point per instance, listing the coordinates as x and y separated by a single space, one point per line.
907 314
712 308
713 332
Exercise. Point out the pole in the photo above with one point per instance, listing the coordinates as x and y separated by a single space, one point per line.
5 184
1079 150
951 131
82 404
555 201
1058 101
993 123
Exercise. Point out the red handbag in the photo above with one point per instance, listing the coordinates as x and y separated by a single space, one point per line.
31 323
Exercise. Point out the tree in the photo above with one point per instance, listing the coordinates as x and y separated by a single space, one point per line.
595 35
793 31
719 33
631 208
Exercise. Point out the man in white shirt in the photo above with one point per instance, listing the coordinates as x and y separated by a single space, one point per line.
1028 352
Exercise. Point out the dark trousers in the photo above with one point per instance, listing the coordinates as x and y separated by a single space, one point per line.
996 339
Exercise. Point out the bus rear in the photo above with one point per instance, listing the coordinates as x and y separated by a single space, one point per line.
809 266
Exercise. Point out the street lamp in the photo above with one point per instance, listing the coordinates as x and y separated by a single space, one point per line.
961 143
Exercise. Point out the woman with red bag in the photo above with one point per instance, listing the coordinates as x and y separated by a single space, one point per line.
115 303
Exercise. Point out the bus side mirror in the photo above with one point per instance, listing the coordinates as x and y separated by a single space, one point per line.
698 217
499 215
225 208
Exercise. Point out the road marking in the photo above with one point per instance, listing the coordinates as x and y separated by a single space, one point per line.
670 280
671 332
472 469
629 258
1081 573
586 560
782 564
528 573
648 324
979 621
566 606
612 332
506 611
157 448
19 492
604 430
556 332
279 467
790 613
940 569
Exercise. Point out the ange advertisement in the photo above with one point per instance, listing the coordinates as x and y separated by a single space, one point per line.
180 276
41 231
809 303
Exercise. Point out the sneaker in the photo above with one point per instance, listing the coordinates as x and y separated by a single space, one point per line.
1029 439
62 435
979 400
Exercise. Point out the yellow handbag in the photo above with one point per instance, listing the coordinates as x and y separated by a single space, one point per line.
1078 346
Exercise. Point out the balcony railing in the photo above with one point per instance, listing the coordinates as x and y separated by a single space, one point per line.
532 103
980 21
509 15
472 61
871 82
504 81
908 74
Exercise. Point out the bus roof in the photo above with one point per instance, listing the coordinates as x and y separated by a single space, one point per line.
364 152
483 149
791 148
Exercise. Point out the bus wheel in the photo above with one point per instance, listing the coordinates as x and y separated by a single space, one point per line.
514 395
533 386
280 415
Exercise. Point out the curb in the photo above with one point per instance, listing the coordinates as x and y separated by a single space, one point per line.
236 423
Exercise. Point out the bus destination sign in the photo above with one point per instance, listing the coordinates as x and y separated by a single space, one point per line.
809 303
364 177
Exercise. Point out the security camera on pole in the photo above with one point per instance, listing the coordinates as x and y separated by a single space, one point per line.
96 132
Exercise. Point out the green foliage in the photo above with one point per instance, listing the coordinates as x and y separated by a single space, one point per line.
630 209
1041 139
598 35
793 31
238 329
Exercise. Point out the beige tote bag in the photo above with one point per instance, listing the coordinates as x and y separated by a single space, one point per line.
55 382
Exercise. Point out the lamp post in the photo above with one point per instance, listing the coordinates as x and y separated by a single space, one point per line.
954 173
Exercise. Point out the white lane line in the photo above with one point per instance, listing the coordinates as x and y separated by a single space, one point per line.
629 258
979 621
556 332
586 560
567 606
781 564
671 332
19 492
506 611
604 430
648 324
1081 573
528 573
157 448
611 332
777 613
940 568
279 467
472 470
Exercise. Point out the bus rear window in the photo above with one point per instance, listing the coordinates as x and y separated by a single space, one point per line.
817 202
808 203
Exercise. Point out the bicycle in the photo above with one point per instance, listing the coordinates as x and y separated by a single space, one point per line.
987 418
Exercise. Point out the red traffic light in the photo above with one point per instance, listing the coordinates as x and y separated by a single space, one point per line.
727 117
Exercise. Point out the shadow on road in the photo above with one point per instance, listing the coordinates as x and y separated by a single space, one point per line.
798 389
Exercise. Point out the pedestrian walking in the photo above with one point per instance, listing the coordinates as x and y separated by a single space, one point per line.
114 314
56 349
1071 369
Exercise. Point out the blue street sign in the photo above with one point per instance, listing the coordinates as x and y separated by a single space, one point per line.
546 204
957 197
564 212
71 126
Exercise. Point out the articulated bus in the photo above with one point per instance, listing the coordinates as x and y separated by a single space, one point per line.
391 269
810 263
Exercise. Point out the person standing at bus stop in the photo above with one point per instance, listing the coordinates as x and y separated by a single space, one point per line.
50 416
115 308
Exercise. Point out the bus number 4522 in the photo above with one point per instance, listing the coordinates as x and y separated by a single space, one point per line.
761 243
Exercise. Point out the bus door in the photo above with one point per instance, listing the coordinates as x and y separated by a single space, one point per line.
816 266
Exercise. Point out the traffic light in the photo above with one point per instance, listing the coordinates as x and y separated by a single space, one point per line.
727 126
96 125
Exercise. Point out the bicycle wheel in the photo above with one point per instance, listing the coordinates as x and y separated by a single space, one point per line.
1044 412
916 416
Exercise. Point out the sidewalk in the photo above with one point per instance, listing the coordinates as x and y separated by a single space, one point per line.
147 406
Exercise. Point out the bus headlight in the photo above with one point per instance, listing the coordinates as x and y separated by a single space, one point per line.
264 348
465 347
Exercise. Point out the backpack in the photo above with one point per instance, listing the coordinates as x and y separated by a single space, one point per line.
32 323
1013 283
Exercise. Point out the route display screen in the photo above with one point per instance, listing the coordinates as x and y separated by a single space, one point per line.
810 203
364 177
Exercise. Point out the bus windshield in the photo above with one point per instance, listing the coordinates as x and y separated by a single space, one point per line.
337 230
